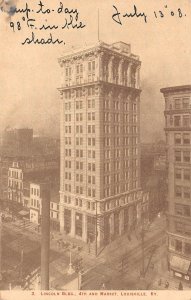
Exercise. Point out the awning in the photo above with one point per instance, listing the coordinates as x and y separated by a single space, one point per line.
180 264
23 213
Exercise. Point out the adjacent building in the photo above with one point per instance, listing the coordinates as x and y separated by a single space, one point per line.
17 141
178 140
100 194
36 189
23 172
154 175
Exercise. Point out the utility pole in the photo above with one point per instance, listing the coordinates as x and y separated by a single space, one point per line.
143 251
21 264
0 246
142 242
45 237
96 231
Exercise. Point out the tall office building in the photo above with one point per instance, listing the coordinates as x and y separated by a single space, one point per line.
100 139
178 137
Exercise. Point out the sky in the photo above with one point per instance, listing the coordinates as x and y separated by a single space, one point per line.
30 74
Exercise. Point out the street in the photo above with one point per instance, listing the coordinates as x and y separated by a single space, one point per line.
105 269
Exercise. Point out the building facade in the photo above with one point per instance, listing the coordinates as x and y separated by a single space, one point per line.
100 191
26 170
178 137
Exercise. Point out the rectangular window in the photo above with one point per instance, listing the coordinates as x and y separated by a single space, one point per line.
177 121
178 173
186 192
186 210
177 138
187 174
186 156
177 156
186 138
186 121
178 191
185 103
177 104
89 66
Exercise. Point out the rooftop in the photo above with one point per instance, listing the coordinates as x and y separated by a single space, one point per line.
119 47
176 89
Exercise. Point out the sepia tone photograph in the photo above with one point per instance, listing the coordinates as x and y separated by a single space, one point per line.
95 147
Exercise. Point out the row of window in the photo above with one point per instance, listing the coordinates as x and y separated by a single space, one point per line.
79 189
15 184
181 246
108 191
89 205
182 156
116 105
79 68
182 192
35 192
80 79
179 103
79 165
180 121
79 92
37 203
182 138
107 153
182 174
15 174
79 117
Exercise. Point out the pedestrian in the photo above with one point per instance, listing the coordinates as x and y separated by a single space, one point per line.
103 286
166 284
180 287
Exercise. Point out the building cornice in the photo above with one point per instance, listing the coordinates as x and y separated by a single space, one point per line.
177 129
177 111
102 84
174 89
95 51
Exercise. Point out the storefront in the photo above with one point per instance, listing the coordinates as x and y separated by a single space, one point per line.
180 267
